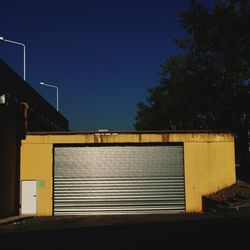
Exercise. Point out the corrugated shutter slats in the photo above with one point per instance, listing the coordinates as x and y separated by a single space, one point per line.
118 179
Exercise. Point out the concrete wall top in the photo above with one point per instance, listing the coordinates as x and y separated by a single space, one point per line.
128 137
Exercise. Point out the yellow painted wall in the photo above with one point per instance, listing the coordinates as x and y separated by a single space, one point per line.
36 164
209 163
209 167
123 138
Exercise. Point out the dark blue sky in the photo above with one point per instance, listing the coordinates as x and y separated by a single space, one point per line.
102 54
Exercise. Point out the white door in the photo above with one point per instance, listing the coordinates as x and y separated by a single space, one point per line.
28 197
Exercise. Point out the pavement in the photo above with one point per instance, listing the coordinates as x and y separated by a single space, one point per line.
13 219
18 224
225 223
197 230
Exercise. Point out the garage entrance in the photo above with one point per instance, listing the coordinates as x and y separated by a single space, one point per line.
118 179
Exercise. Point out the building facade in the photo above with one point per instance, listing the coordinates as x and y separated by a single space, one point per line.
21 109
123 172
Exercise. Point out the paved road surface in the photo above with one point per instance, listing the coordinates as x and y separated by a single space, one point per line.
152 232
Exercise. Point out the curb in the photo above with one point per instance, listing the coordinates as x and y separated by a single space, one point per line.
13 219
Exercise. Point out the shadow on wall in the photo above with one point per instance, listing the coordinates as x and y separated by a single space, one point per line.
11 132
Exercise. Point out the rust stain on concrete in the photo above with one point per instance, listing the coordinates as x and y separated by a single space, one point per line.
165 138
96 139
140 138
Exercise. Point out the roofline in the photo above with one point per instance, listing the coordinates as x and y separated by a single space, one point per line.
20 90
132 132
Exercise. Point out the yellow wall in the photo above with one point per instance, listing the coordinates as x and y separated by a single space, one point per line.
209 163
36 164
209 167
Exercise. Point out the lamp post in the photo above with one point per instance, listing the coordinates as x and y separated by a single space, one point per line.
24 53
53 86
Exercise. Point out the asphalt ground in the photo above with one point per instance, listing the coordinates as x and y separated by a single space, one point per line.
194 231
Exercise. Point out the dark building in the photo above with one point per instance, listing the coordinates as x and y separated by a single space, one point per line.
21 109
41 116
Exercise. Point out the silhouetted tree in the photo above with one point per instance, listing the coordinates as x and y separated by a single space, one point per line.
208 86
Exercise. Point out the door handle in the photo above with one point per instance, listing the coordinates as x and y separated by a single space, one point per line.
34 195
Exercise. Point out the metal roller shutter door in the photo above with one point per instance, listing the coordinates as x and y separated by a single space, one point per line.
118 179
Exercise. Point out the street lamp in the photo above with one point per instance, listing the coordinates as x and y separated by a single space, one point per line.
24 53
53 86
